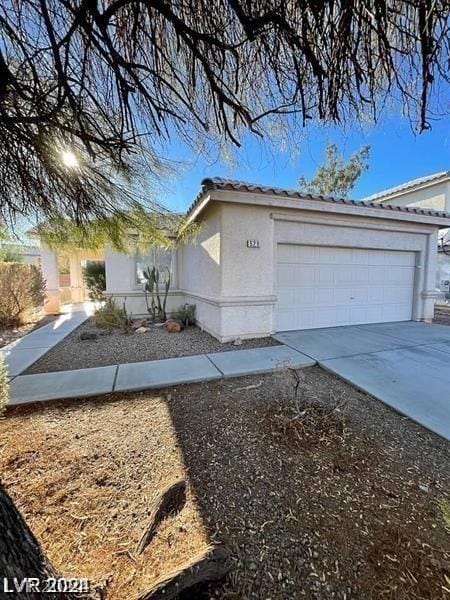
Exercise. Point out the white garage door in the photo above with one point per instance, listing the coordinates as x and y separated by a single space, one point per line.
327 286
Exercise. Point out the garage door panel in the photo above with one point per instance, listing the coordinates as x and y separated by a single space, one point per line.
359 257
307 297
397 295
284 276
376 295
343 274
401 275
303 274
306 254
323 295
327 286
325 275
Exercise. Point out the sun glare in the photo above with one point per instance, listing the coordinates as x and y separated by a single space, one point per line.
69 159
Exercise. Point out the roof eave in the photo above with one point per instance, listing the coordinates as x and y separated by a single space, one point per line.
386 196
349 207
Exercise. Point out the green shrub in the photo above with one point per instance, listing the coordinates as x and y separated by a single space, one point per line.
111 316
22 292
3 385
185 314
95 279
8 255
444 509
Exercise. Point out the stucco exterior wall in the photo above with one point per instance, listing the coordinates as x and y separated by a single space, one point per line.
121 283
245 305
233 286
200 262
435 196
199 267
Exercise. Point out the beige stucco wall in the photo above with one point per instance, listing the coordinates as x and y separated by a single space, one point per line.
435 196
242 303
200 262
121 283
233 286
200 265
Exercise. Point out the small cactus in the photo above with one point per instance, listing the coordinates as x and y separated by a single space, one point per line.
152 278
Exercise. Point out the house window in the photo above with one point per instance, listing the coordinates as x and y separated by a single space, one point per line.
155 257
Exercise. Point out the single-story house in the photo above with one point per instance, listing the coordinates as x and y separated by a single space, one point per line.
268 259
431 191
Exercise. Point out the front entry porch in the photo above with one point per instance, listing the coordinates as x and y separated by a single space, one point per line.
65 284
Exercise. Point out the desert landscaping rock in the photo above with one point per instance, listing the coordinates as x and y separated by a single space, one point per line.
88 335
116 347
138 323
173 326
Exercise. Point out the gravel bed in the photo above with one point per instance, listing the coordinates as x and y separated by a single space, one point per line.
442 314
114 347
341 504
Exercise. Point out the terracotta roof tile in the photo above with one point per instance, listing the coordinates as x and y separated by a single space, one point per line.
219 183
408 186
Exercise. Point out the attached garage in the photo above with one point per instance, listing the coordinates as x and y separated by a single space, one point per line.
320 286
268 259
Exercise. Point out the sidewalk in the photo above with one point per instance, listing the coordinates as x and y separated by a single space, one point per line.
22 353
153 374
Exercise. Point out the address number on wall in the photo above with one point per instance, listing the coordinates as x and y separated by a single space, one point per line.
253 244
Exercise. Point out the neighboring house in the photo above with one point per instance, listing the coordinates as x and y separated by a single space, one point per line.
268 260
432 191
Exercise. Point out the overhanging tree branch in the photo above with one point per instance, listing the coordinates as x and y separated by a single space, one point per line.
111 80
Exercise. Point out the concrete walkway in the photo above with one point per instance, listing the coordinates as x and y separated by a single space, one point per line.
153 374
22 353
405 365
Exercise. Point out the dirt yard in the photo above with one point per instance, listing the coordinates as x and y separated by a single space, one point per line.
341 504
11 334
113 347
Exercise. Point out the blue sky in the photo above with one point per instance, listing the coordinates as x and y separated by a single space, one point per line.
397 155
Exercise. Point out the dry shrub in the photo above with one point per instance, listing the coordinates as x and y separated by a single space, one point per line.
111 316
304 421
444 511
315 426
3 384
22 292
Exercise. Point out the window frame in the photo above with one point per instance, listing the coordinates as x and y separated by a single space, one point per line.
153 252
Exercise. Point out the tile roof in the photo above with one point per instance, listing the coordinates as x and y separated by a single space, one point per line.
219 183
409 185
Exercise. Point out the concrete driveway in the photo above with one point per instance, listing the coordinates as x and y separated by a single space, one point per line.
406 365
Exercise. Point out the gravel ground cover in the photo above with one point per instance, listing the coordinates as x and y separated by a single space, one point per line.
338 500
11 334
113 347
442 314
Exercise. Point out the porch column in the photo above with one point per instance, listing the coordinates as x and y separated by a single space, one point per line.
76 278
50 272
